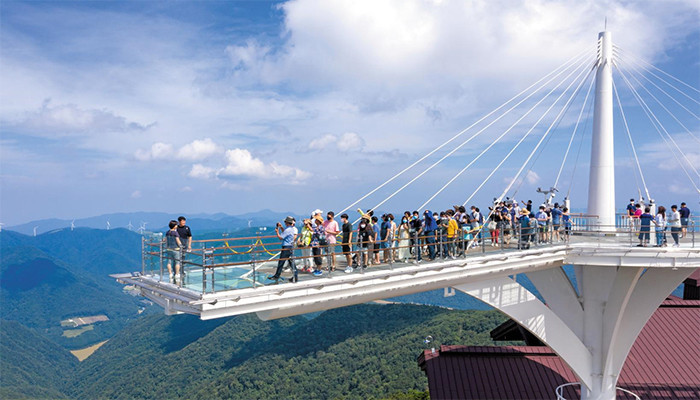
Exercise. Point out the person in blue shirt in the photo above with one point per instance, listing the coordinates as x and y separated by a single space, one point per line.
566 217
556 222
429 232
542 219
524 222
377 239
287 236
645 221
685 216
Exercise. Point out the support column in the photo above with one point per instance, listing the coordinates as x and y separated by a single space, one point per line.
601 193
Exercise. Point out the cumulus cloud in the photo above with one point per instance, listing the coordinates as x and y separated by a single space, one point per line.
195 151
532 177
136 194
70 120
199 150
242 164
200 171
346 142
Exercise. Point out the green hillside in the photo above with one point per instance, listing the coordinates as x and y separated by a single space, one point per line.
31 366
360 352
39 289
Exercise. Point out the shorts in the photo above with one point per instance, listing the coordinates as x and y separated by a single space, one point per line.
543 228
346 248
173 255
684 222
375 247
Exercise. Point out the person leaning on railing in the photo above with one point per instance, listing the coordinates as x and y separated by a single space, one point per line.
304 243
172 249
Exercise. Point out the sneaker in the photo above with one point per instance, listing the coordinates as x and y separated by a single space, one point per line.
293 279
348 269
273 278
317 273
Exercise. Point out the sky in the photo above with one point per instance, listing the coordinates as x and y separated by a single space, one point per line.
238 106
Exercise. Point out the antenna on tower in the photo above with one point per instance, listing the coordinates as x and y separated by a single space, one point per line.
72 225
606 24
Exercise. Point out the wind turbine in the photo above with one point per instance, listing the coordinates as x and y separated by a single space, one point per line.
35 230
1 224
108 225
250 221
72 225
130 227
142 228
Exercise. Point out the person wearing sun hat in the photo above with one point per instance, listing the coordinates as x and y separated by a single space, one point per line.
524 222
287 236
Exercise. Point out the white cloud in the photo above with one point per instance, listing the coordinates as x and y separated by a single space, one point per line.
70 120
199 150
136 194
241 163
531 177
346 142
200 171
194 151
158 151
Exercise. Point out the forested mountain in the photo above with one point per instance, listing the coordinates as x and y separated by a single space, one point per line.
360 352
31 366
49 278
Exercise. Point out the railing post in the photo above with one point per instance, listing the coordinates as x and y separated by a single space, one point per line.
143 256
160 260
252 257
483 239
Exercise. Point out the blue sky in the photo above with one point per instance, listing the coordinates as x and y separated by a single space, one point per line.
219 106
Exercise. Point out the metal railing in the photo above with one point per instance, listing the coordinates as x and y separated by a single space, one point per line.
560 391
234 263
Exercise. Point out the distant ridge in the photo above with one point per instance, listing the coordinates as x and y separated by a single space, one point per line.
155 221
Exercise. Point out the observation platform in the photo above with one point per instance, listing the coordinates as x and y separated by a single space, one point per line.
222 279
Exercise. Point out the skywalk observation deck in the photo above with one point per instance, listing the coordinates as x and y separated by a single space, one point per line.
225 277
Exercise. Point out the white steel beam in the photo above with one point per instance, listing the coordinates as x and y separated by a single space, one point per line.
511 298
560 296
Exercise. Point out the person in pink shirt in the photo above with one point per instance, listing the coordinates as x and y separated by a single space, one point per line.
332 229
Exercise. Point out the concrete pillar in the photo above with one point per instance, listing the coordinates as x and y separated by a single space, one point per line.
601 188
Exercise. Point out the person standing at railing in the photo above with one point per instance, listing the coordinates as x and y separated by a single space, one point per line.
288 237
330 225
404 239
524 222
416 231
542 219
506 224
304 243
556 222
630 211
685 217
566 218
645 221
346 241
452 232
365 237
318 240
637 214
429 233
173 244
185 233
660 227
674 222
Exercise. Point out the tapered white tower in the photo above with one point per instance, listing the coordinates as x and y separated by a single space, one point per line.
601 193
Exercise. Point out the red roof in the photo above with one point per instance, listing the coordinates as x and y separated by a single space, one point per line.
662 364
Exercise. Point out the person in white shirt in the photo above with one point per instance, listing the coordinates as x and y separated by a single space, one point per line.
661 227
674 222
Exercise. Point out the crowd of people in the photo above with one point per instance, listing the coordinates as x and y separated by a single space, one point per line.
676 221
446 234
387 239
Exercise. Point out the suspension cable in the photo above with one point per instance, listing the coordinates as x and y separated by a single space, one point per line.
629 136
578 120
561 112
585 66
562 67
649 115
580 146
661 104
468 140
537 157
658 69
